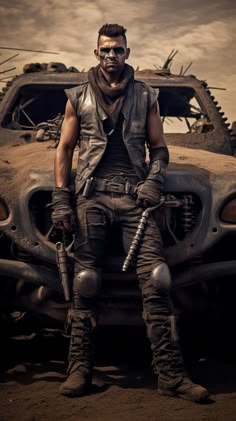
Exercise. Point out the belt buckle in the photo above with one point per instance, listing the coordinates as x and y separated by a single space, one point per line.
117 187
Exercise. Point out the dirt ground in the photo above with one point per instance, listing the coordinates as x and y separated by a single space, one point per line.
33 366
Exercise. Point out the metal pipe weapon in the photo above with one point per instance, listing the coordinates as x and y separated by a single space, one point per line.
168 201
62 269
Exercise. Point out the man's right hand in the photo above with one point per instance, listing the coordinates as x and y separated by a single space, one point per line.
62 215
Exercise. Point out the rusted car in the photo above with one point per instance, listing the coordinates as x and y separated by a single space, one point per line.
198 220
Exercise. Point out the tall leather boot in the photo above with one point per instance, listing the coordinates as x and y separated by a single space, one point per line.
168 361
81 355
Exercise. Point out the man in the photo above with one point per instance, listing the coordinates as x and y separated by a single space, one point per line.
114 117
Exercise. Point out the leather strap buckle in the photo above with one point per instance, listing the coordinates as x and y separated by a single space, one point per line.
106 185
115 187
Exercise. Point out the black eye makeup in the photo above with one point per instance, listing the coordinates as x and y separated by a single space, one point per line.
117 51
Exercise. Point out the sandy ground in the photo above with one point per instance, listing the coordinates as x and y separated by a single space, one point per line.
123 388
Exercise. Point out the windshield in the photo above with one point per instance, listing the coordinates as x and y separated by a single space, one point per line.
181 111
36 105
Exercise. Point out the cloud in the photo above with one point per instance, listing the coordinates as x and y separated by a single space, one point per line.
203 32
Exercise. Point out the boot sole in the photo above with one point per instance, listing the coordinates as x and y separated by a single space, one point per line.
75 393
201 398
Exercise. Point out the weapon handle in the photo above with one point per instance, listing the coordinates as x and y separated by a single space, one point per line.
136 241
62 269
139 233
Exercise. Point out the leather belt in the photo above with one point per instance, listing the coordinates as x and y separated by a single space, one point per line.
106 185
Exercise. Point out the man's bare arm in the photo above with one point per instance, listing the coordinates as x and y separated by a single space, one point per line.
65 149
155 133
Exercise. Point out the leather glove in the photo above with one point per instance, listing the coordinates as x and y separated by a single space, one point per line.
148 193
62 215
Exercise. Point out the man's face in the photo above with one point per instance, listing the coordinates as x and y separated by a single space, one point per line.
112 53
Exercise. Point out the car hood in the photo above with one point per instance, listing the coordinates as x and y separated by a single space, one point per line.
18 161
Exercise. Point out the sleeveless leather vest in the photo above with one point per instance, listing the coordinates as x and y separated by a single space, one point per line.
92 140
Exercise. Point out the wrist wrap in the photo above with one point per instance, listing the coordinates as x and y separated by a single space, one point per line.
159 159
61 205
61 196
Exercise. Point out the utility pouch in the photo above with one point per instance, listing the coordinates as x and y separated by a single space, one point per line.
88 188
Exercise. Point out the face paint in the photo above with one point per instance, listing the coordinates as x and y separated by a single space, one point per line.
105 52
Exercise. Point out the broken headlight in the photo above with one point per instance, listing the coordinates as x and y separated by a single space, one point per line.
228 212
4 211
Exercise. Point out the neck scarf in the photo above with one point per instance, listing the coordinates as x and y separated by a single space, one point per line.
110 98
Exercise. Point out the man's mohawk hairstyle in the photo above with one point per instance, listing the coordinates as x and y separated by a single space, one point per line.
112 30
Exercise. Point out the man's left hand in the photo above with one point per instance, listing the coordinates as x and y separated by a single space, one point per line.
148 194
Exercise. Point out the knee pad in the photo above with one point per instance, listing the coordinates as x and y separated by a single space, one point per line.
87 283
161 277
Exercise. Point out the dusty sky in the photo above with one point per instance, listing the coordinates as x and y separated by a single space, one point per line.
203 31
